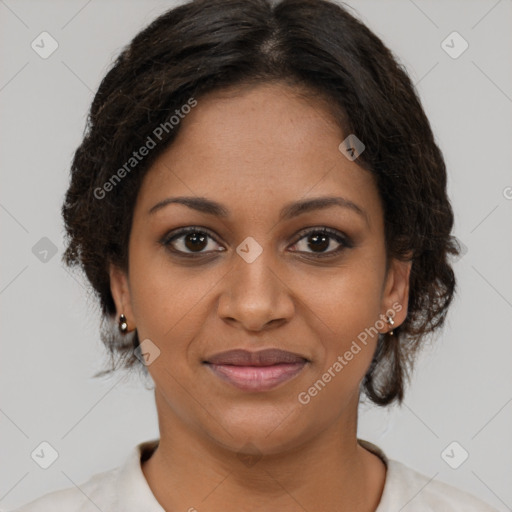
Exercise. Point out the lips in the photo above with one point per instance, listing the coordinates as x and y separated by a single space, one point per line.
256 371
266 357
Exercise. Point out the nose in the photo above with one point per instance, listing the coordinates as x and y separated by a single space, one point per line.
255 296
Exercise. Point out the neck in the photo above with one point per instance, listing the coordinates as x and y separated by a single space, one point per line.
191 471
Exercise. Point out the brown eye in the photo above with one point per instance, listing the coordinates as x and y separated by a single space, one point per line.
320 240
191 241
195 241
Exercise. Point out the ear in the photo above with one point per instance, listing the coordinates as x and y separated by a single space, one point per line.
120 288
395 297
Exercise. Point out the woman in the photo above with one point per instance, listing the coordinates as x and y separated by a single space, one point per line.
261 208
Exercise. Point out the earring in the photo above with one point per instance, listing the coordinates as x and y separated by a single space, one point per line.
123 324
391 322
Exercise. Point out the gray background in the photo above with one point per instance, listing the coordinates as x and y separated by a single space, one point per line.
462 388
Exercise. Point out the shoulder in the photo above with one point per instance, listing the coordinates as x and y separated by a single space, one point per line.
122 489
408 489
98 491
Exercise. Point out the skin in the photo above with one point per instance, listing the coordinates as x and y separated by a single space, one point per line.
255 150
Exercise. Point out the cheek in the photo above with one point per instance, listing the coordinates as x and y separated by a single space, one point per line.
168 304
347 300
346 314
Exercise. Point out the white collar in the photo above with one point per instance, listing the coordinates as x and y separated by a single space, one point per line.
134 493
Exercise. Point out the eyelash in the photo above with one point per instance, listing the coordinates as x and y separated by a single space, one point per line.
344 241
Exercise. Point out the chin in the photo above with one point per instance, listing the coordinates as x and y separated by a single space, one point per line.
263 429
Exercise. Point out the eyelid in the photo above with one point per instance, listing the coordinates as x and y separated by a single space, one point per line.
333 233
179 232
338 236
344 241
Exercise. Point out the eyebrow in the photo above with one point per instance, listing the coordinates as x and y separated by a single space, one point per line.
289 211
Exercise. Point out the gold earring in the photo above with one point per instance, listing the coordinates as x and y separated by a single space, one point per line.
391 322
123 324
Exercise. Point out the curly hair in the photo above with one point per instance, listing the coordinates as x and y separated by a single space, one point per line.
317 46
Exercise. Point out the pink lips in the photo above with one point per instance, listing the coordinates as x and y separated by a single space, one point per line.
256 371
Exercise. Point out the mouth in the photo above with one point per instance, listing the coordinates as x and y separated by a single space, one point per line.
256 371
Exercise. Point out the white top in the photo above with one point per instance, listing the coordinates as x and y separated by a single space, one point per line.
125 489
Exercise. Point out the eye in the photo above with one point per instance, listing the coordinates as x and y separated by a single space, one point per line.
194 240
319 240
191 240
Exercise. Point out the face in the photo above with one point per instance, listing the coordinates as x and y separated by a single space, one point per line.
280 245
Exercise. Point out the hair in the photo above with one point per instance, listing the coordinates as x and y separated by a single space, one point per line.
315 46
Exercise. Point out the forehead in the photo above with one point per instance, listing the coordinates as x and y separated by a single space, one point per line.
260 121
257 145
